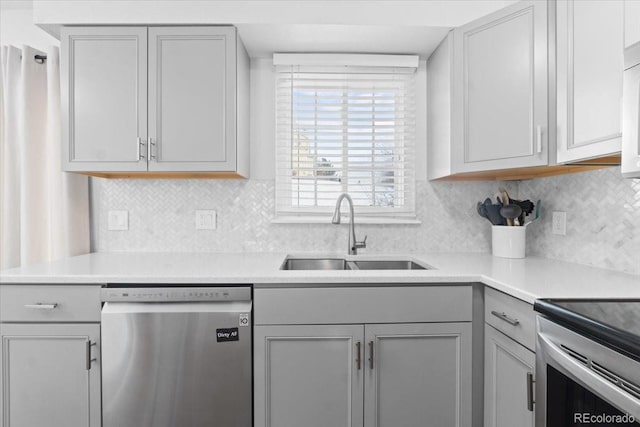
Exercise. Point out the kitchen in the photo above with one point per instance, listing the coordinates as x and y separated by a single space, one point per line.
421 289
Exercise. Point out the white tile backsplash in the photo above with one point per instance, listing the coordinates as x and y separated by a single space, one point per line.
603 219
161 216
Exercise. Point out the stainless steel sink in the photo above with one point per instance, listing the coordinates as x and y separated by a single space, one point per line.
388 265
343 264
315 264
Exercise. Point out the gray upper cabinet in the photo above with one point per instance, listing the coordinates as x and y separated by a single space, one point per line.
590 63
488 101
104 98
192 84
631 111
196 83
501 65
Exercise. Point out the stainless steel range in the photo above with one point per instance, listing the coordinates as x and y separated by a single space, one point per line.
588 363
174 357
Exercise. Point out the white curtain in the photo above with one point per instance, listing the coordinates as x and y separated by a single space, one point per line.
44 212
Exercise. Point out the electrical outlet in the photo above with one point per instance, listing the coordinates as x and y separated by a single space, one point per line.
559 223
118 220
206 220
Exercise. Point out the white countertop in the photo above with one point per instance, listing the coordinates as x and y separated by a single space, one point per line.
527 279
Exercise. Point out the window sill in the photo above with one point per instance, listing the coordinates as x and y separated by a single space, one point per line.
294 219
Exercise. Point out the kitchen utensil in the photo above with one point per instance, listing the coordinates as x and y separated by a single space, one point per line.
510 212
493 212
505 196
481 211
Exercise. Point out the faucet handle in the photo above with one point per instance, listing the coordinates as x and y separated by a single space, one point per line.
362 244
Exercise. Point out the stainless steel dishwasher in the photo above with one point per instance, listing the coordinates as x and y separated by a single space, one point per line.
176 357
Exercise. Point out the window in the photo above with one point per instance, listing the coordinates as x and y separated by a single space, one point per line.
344 129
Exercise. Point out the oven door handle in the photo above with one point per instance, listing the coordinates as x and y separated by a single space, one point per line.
589 379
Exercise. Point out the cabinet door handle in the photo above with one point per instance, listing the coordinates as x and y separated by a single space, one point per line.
358 355
371 355
539 139
89 344
150 149
140 145
41 306
509 320
530 383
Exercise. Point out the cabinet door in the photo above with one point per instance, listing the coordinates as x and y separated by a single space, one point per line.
500 75
308 376
631 132
192 102
418 372
507 365
590 63
104 98
46 377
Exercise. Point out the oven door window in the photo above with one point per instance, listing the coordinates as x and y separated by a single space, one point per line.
570 404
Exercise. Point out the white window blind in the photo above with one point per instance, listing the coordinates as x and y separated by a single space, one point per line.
345 129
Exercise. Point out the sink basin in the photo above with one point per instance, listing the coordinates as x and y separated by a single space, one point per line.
388 265
343 264
315 264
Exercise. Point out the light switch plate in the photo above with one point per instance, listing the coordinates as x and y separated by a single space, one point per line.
206 220
559 223
118 220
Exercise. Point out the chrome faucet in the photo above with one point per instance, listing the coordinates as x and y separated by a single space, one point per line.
354 245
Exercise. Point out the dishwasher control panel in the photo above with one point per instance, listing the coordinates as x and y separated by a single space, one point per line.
176 294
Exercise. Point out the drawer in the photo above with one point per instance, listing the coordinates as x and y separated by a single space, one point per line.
502 310
379 304
50 303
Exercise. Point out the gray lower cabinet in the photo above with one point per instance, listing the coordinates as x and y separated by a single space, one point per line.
509 361
48 376
50 355
417 372
363 375
509 369
308 376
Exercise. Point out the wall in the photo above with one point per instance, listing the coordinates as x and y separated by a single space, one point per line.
603 210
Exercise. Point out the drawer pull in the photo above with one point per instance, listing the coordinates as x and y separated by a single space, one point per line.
40 306
371 355
509 320
358 355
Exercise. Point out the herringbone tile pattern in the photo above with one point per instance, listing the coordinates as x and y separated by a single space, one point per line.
603 219
161 218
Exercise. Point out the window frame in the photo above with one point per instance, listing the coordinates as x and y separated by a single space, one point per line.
398 69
